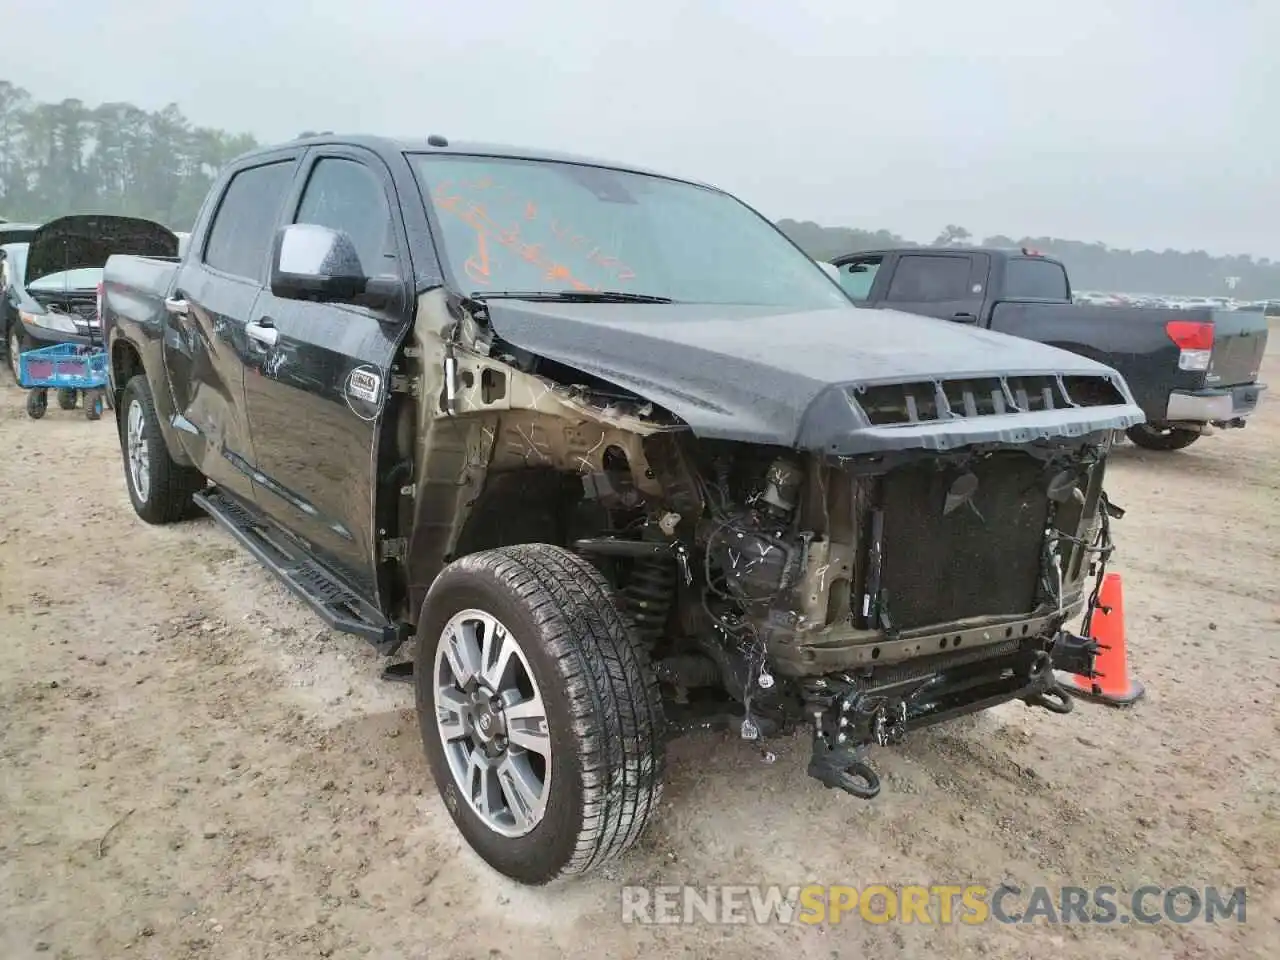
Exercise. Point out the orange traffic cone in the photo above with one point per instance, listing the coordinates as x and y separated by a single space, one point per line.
1111 683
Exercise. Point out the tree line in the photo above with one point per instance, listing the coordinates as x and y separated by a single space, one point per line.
69 157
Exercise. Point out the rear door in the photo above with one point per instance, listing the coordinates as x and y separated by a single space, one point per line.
205 348
949 286
320 372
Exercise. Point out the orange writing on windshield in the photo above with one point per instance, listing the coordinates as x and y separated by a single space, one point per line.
478 265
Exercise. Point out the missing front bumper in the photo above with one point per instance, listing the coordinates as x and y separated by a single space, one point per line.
881 711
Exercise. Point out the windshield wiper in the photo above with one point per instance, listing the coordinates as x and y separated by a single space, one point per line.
571 296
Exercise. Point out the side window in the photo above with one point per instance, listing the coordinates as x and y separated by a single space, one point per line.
925 279
244 226
1030 279
857 277
345 195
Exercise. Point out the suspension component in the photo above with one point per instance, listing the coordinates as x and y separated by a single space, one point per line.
649 595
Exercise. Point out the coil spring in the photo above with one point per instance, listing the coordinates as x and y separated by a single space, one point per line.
649 595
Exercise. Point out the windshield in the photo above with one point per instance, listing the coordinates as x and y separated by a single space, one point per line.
82 278
538 226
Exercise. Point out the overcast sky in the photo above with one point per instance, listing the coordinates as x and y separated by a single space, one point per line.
1144 123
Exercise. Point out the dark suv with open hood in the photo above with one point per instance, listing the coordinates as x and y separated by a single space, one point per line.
49 280
621 459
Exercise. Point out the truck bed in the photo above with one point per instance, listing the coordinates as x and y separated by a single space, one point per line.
1135 341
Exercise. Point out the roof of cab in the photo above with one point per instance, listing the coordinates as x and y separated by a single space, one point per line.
388 146
1004 253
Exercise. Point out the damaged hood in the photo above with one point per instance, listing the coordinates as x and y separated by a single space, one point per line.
87 240
767 375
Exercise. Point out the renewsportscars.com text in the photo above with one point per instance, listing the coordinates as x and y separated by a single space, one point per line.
941 904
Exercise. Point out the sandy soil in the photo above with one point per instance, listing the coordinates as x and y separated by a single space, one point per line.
191 767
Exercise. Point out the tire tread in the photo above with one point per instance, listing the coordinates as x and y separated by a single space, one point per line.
172 485
611 686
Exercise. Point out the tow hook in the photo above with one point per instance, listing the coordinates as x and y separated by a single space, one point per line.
843 767
1047 694
835 762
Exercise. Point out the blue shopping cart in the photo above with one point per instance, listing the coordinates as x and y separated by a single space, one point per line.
69 368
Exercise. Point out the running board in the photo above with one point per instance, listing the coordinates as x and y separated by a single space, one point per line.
333 601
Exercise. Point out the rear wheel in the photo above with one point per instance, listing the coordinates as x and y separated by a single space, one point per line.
67 399
159 488
1152 437
93 403
539 712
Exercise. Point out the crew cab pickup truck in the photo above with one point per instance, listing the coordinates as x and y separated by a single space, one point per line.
1189 369
600 441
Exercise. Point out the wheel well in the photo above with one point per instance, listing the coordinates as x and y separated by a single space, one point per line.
532 505
126 363
524 505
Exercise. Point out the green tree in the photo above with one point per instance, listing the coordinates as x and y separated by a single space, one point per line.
60 158
952 236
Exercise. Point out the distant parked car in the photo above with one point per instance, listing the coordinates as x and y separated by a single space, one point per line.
49 283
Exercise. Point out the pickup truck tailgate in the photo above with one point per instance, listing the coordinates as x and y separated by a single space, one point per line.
1239 341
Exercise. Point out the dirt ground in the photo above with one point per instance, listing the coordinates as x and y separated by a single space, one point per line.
191 767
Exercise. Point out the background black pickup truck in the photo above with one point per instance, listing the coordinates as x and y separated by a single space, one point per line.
1187 368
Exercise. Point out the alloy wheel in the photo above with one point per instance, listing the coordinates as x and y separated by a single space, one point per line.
492 722
139 457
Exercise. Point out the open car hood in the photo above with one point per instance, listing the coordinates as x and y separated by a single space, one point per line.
810 380
87 240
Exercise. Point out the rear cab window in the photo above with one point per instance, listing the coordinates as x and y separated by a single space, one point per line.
1033 278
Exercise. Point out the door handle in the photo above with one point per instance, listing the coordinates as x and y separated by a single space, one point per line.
263 331
177 306
964 318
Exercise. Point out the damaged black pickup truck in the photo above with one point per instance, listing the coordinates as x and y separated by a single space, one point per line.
602 441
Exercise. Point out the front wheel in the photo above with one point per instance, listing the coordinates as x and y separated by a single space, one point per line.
159 488
539 712
93 404
67 399
1152 437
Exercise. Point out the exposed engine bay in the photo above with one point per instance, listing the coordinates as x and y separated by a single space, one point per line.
867 598
863 594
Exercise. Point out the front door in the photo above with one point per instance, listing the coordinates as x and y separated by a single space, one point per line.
319 374
205 347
